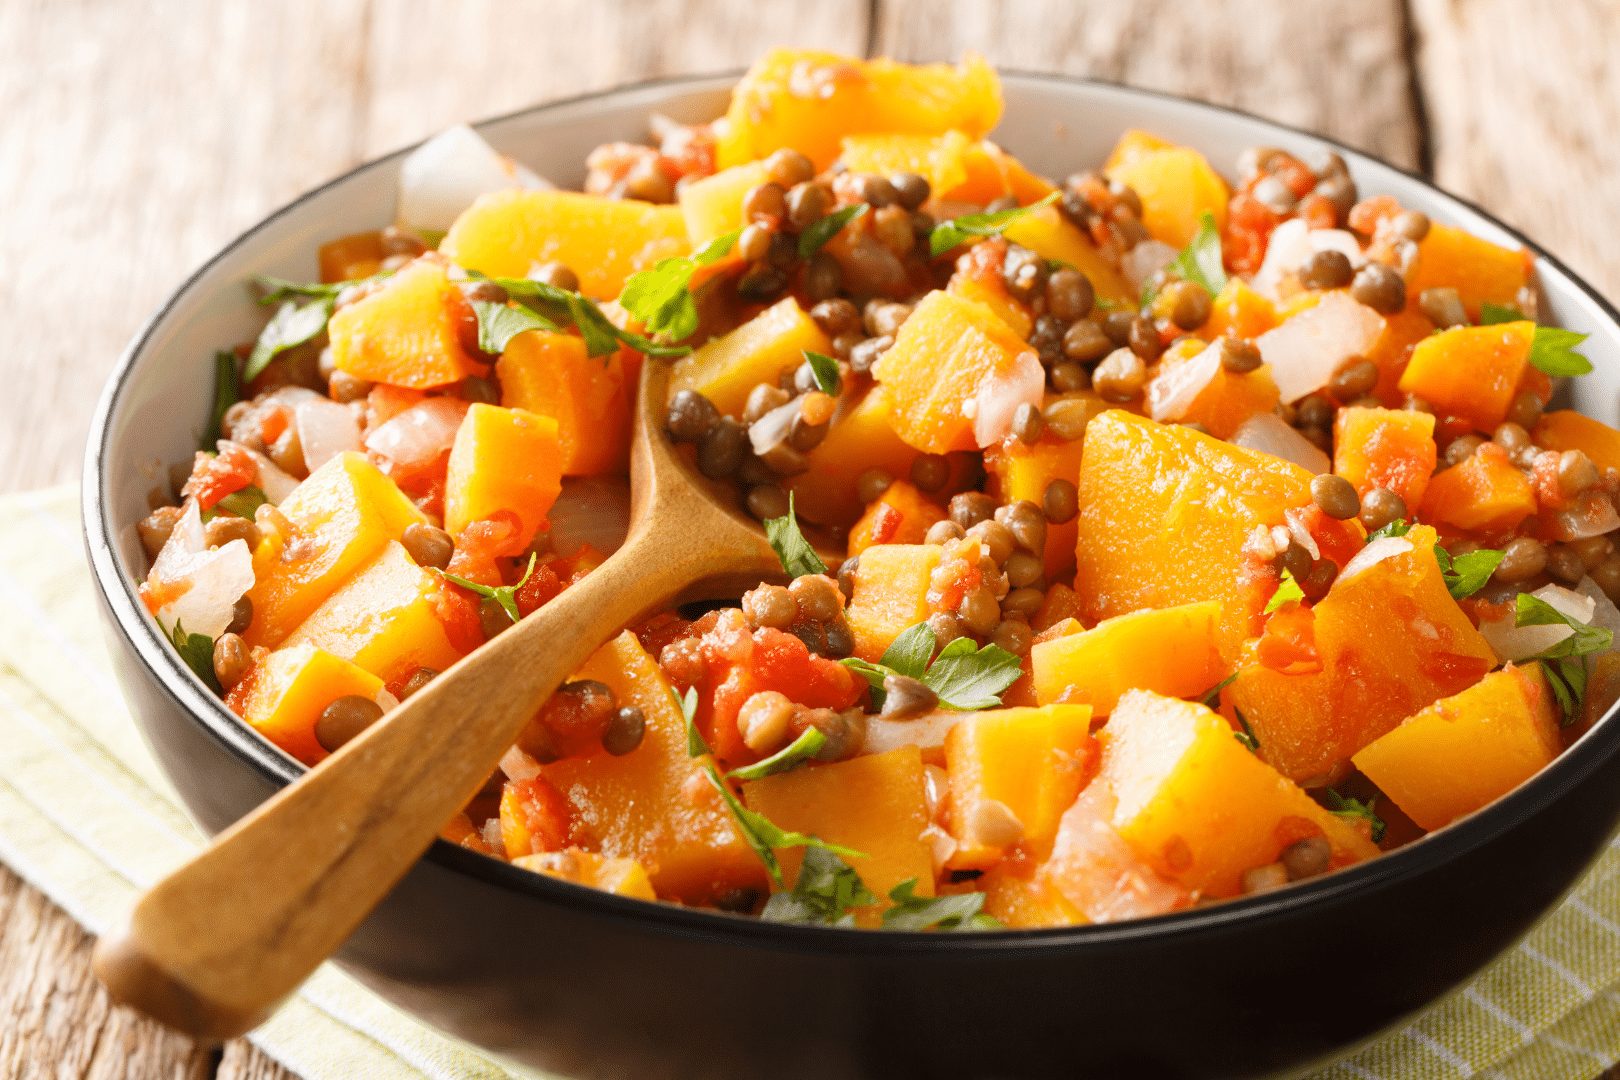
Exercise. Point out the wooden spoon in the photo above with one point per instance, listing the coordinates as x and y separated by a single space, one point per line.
214 947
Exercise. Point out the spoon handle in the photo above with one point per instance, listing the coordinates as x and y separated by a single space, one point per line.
212 948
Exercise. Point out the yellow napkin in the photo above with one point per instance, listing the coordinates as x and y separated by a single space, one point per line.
87 817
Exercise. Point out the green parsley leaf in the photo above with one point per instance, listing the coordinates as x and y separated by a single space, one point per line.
956 232
909 653
1355 808
967 678
1212 697
1534 611
798 557
1567 678
279 289
498 324
227 392
695 746
826 371
959 912
826 890
790 757
503 594
572 309
1398 527
197 650
1491 314
1246 736
1467 574
1553 351
1200 262
762 835
291 325
817 234
1288 589
243 502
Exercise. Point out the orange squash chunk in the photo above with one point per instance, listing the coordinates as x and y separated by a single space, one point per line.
891 594
1051 235
503 459
384 620
1019 182
1239 311
859 440
404 334
728 368
1480 271
811 101
1171 651
602 240
873 804
1024 472
350 257
1385 448
1226 400
902 516
1486 492
993 295
1566 429
588 397
1197 806
712 205
1391 641
288 691
1026 903
633 807
943 352
1033 761
1471 371
346 512
622 877
1176 186
1461 753
1392 350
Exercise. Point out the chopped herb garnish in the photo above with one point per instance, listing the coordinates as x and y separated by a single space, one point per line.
227 392
243 502
662 297
825 369
1534 611
909 653
1212 697
1288 589
790 757
1355 808
566 308
502 594
1553 351
1491 314
761 834
957 912
1467 574
826 890
1398 527
290 326
964 677
695 746
798 557
1246 736
814 236
499 323
1567 678
279 289
1200 262
197 650
958 231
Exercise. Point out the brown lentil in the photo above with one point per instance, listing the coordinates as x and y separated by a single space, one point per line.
1067 418
1525 410
227 527
788 167
930 472
1120 377
840 642
1318 437
1027 424
722 450
979 610
345 718
1296 560
492 617
1274 195
864 355
1069 294
770 605
1341 192
1564 564
1027 522
910 189
1068 376
1411 224
762 399
783 460
1024 273
763 720
998 540
875 191
755 242
691 416
1522 558
1239 355
817 596
1326 270
1576 473
824 277
1315 411
946 627
1414 403
1335 496
846 576
428 546
767 501
884 317
1444 307
905 698
1117 326
1012 634
1021 568
922 223
1027 601
1086 341
1190 304
418 681
1380 507
344 388
1380 288
1462 448
1316 584
1259 879
761 283
765 202
241 616
836 316
401 241
231 659
479 391
1047 338
1144 340
1060 501
1606 575
941 531
1306 858
806 204
1510 437
557 275
1593 550
1354 378
805 436
753 472
971 507
871 484
624 731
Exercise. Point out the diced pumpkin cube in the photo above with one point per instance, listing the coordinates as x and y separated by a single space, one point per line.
994 296
1392 351
811 101
287 692
891 594
633 806
404 334
1171 651
1026 903
943 352
712 205
385 619
1241 312
603 241
1486 492
874 804
1052 236
1471 371
902 516
859 440
1133 145
938 158
1033 761
728 368
346 512
503 459
349 258
1176 186
1385 448
1391 640
1197 806
588 397
1566 429
1025 472
622 877
1481 272
1459 754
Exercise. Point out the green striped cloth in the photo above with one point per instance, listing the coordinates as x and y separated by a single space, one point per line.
86 816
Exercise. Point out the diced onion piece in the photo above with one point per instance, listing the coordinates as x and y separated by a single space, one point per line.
1267 433
768 432
1304 351
1512 642
1096 870
413 440
1172 393
519 766
926 732
1385 547
1591 515
208 582
592 510
941 846
442 177
1146 259
999 396
325 430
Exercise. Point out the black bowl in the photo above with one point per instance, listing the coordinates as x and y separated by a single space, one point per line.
559 977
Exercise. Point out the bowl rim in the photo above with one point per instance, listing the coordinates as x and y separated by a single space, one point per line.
187 693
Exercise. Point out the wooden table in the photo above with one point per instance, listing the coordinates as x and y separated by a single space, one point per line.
137 139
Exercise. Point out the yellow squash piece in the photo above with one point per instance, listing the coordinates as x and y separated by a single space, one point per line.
1026 903
346 512
601 240
622 877
290 689
1471 371
1171 651
891 594
1176 186
1049 234
938 158
712 206
404 334
1481 272
859 440
726 369
503 459
1197 806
